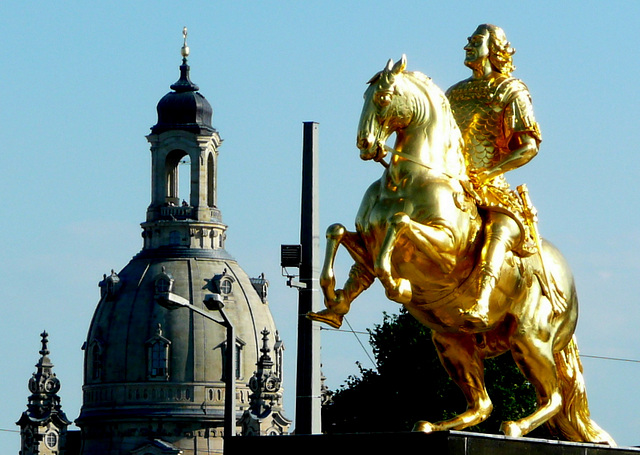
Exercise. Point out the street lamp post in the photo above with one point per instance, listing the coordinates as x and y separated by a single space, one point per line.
305 256
214 302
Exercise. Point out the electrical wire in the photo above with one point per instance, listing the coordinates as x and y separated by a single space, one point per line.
355 333
617 359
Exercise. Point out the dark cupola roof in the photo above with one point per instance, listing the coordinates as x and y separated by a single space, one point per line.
184 108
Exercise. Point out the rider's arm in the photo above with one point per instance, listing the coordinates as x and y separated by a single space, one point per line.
520 130
526 147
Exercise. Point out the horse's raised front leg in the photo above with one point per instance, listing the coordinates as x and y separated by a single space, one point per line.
460 358
436 242
397 289
338 301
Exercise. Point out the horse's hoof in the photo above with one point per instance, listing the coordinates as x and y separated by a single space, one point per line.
326 316
511 429
424 427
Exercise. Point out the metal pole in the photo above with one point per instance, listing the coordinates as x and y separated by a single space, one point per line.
308 365
230 380
213 302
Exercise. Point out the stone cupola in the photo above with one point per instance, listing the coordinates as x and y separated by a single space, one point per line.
183 141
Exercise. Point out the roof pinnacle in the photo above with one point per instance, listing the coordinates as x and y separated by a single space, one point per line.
185 49
184 84
45 349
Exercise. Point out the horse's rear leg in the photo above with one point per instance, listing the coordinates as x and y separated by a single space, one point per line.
535 360
460 358
338 301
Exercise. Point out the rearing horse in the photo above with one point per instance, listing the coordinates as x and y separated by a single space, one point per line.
419 231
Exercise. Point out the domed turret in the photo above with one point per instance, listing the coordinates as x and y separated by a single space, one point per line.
154 374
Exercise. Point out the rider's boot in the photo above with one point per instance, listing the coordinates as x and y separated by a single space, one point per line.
328 316
359 280
478 315
501 233
334 313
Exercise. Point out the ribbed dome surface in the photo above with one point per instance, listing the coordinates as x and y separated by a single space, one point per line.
124 324
119 383
184 108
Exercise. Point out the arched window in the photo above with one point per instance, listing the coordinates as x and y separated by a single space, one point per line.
211 200
177 188
158 359
238 354
158 356
184 186
163 285
223 284
278 351
95 360
163 282
238 360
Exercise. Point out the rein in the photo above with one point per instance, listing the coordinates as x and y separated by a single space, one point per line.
418 162
463 180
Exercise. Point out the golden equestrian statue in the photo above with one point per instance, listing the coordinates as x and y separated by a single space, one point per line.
448 238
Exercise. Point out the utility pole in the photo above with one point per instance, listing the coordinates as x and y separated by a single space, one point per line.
308 398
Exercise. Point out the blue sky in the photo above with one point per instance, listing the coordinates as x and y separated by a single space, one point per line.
80 84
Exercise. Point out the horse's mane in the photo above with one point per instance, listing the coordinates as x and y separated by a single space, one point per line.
434 105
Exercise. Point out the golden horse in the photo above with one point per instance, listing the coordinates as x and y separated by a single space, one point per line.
419 231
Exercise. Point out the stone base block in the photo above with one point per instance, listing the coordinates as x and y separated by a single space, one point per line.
443 443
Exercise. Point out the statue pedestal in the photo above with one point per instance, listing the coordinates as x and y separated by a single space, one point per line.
442 443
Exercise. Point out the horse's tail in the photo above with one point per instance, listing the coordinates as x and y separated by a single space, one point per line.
574 419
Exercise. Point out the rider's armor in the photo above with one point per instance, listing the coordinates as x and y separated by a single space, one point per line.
489 112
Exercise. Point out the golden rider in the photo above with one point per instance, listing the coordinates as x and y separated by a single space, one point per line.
495 115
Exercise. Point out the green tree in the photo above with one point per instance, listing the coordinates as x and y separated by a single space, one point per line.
410 384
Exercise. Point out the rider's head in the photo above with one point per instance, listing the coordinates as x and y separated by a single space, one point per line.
500 50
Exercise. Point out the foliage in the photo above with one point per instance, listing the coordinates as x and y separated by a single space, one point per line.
410 384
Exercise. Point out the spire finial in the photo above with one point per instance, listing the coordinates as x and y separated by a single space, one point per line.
184 84
45 349
185 49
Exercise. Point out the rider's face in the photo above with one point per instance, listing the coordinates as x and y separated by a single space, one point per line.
477 49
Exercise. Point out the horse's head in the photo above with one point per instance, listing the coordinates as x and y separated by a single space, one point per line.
384 112
412 106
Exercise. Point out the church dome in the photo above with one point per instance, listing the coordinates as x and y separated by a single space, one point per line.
184 108
147 363
154 358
